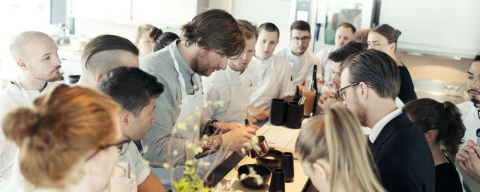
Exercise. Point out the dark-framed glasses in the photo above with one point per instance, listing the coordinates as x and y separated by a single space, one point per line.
104 147
342 94
303 39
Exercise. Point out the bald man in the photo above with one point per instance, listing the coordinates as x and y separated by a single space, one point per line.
35 53
104 53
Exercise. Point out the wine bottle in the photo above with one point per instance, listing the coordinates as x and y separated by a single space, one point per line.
314 83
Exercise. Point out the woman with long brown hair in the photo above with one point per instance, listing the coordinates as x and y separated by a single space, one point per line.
384 38
334 154
67 140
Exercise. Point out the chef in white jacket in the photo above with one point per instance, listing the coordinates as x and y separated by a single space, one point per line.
36 55
301 60
228 92
274 73
471 113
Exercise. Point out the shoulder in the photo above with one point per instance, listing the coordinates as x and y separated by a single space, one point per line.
157 62
283 53
465 106
278 61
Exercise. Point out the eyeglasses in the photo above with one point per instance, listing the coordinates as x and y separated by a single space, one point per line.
304 39
110 145
342 94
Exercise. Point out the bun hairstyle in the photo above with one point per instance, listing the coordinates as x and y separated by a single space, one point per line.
164 40
443 117
388 32
337 137
155 33
56 135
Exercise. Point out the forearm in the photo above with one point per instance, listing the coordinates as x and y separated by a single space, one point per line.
209 145
163 147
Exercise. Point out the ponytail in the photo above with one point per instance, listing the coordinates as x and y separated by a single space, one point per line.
337 137
429 114
453 130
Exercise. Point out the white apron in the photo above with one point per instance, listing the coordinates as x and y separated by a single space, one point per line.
190 113
239 99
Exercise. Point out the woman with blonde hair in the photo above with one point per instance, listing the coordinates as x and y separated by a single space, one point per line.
334 154
67 140
143 41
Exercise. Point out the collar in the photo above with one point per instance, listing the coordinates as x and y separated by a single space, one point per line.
378 127
263 63
181 62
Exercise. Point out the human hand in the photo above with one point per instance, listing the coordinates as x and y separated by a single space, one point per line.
226 127
235 139
256 113
327 99
464 154
471 165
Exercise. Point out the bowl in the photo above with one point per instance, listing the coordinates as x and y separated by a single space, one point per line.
249 181
272 159
262 143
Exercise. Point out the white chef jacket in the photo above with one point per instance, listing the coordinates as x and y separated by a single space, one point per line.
301 66
11 98
274 81
220 87
471 120
326 63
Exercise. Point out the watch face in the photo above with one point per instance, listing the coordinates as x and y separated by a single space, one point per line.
478 112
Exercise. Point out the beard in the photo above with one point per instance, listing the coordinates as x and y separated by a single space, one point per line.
359 111
53 76
200 64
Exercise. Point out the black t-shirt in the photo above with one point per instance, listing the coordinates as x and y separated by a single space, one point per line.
407 92
447 179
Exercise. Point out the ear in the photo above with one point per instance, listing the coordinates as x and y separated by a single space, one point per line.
98 77
124 118
431 135
320 170
392 47
364 90
22 64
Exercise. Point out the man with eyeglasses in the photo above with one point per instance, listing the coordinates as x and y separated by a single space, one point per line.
301 60
370 82
343 35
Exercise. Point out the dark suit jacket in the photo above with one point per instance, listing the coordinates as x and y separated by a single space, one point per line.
403 157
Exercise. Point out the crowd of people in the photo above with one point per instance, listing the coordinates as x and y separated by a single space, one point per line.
142 110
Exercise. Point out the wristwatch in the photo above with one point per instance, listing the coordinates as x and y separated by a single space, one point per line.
210 128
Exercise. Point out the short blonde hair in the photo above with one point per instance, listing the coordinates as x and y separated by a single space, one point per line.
338 138
141 29
56 135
